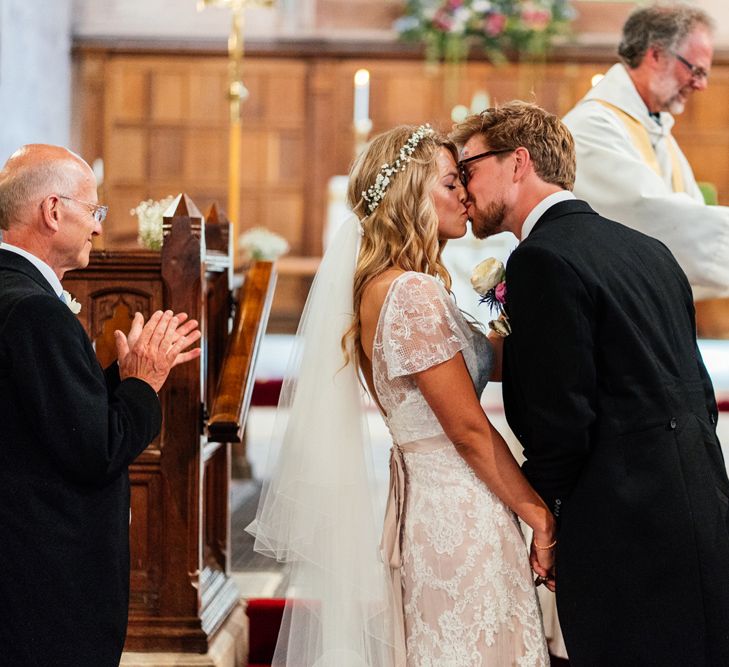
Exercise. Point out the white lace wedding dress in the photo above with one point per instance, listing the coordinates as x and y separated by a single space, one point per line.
468 592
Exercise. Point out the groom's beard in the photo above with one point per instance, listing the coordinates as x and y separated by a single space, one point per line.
489 222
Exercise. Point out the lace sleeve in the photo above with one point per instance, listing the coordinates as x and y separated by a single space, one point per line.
421 327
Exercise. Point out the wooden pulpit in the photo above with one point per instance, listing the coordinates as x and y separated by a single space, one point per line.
181 591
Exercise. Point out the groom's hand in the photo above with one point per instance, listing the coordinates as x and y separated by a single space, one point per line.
543 564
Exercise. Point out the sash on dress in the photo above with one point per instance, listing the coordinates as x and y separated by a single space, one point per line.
390 544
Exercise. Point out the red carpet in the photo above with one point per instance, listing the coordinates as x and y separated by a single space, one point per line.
264 619
266 392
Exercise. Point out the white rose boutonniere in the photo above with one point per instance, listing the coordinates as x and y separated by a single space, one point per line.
74 305
489 280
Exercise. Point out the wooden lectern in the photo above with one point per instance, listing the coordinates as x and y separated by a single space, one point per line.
181 591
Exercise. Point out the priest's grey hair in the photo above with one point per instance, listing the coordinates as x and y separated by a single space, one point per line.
661 25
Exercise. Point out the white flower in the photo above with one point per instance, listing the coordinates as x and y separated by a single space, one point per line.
149 215
74 305
487 275
429 13
261 243
374 194
406 23
460 18
481 6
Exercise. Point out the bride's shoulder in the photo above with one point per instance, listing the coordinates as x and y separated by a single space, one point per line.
414 283
396 283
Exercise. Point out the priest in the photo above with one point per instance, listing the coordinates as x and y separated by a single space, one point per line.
629 166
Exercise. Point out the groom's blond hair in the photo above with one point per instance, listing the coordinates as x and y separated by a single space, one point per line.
515 124
402 231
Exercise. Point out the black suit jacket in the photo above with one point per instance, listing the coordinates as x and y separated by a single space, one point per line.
67 435
606 390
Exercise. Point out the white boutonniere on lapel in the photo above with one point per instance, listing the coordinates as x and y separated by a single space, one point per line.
489 280
74 305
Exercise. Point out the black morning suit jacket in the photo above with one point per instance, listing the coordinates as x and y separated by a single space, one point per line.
67 434
606 390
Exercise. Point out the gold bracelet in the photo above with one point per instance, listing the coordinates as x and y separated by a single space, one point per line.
547 548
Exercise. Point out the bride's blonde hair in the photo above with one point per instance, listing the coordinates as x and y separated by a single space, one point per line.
402 231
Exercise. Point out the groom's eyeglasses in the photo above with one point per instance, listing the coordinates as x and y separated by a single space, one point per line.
463 169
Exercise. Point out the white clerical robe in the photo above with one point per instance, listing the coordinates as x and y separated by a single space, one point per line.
615 179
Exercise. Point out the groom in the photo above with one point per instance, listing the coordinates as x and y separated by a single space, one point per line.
606 390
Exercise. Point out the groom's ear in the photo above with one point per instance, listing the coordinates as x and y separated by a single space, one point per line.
522 162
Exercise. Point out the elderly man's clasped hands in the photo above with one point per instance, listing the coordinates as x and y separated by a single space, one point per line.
151 350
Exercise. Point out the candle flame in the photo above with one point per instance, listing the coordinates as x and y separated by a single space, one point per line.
361 77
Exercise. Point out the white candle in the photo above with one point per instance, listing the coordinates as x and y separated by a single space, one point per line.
480 101
361 95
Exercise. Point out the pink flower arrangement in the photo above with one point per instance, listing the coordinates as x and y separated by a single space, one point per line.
449 28
535 18
494 24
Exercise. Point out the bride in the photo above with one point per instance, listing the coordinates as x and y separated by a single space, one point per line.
450 584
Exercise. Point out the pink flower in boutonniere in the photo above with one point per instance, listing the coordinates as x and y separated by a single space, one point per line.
500 292
489 280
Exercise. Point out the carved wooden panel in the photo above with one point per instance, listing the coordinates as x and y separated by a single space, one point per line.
145 536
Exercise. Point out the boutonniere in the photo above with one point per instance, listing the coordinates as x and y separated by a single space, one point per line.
489 281
74 305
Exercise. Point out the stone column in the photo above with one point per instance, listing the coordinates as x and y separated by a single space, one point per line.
35 73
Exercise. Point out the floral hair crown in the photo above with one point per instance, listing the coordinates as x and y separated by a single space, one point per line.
374 194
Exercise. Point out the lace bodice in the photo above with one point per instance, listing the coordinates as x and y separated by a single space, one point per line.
420 326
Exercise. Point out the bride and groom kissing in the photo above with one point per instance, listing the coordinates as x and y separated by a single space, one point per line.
624 485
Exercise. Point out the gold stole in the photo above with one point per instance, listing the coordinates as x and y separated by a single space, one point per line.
642 141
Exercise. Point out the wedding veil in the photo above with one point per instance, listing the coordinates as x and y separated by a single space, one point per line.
317 508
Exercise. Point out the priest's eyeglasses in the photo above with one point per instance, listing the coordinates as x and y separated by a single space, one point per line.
99 211
697 73
463 173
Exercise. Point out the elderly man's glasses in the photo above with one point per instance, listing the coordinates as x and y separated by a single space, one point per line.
463 169
97 210
697 73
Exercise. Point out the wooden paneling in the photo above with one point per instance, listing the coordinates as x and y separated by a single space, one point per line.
165 129
160 122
